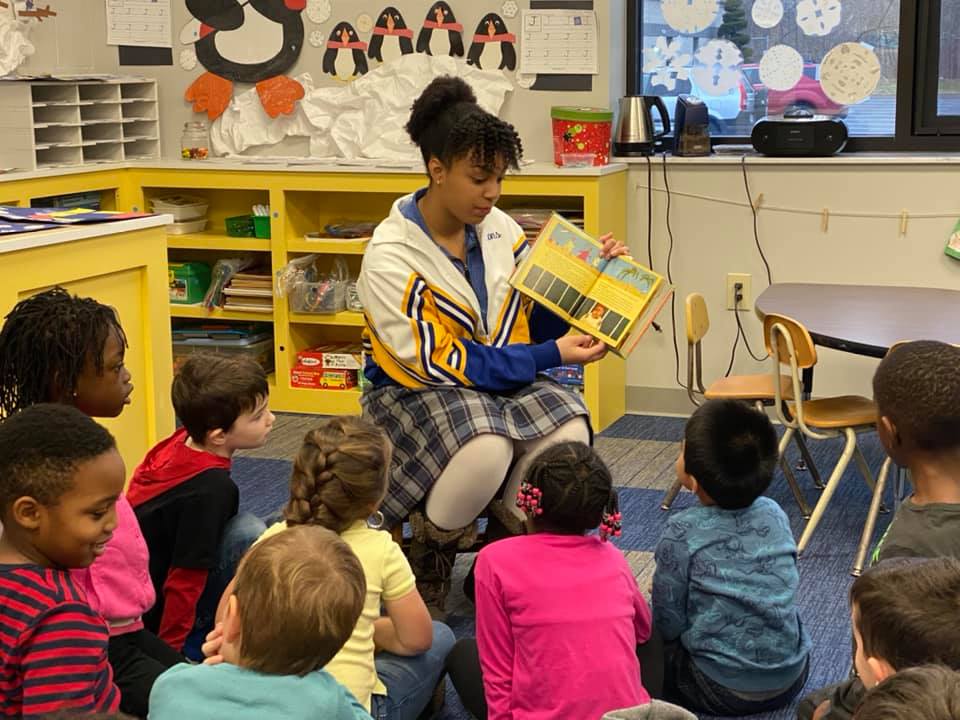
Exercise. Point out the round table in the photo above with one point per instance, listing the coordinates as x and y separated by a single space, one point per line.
866 319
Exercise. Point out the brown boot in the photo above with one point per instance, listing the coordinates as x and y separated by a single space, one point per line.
432 554
501 523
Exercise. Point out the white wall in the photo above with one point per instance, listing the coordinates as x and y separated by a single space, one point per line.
76 42
714 238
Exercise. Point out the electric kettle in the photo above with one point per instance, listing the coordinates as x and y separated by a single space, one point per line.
635 132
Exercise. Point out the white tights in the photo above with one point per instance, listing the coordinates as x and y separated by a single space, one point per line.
476 472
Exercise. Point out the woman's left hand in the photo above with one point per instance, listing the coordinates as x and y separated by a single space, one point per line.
612 247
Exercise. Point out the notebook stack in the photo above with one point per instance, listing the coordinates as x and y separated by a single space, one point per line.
249 291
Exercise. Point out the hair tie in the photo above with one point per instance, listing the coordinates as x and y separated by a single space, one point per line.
610 521
529 499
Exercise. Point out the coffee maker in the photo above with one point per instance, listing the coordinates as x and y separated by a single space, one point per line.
691 127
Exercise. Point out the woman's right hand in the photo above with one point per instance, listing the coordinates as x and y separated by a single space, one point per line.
580 349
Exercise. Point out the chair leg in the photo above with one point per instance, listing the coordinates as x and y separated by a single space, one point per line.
795 488
808 461
828 491
866 473
871 520
671 495
785 440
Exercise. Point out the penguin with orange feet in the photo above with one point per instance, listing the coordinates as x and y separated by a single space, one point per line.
493 44
440 18
246 41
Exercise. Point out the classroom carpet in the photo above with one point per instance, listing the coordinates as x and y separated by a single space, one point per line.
640 451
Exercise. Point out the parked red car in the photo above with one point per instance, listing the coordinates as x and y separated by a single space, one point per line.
805 95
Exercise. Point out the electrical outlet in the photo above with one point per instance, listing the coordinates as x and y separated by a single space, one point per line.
746 297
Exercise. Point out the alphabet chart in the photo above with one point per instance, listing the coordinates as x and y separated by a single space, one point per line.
139 22
559 42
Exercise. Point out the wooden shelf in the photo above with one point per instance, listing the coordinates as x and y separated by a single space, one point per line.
218 241
333 247
327 402
201 313
348 318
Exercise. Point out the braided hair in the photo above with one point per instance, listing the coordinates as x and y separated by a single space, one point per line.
447 123
576 488
339 475
44 344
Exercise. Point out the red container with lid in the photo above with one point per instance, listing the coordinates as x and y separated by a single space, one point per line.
581 135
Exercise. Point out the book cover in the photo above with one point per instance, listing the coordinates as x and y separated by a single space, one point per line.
614 300
61 216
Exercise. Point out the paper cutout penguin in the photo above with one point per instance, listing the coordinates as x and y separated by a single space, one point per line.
440 17
255 41
391 37
493 44
340 63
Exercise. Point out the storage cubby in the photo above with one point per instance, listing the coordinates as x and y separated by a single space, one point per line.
41 118
305 201
99 93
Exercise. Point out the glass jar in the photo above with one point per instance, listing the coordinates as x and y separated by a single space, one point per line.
195 142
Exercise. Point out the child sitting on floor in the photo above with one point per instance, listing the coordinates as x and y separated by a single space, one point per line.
917 391
904 614
295 601
83 347
187 502
391 663
559 613
927 692
724 591
62 476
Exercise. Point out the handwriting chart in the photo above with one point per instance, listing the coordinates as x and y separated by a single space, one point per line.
139 22
559 42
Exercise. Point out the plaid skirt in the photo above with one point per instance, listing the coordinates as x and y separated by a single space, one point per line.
428 426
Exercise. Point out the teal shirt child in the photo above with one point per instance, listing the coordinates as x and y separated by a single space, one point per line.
725 587
214 692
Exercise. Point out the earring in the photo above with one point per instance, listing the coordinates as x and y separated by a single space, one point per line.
376 520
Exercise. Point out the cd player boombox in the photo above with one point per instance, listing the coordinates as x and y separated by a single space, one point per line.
814 136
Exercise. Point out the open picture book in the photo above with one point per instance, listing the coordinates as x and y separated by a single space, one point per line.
614 300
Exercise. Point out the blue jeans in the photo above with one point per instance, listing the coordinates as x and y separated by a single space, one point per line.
411 681
240 533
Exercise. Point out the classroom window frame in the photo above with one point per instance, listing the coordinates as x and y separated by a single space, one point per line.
918 126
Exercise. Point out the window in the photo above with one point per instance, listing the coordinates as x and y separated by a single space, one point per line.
889 68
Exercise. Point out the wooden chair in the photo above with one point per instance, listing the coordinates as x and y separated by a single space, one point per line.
755 389
789 343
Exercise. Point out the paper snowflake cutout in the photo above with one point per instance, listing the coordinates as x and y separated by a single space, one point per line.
767 13
317 38
689 16
819 17
364 23
510 9
781 67
188 59
717 71
849 73
318 11
668 62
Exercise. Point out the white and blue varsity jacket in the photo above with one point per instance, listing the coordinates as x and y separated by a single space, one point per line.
423 325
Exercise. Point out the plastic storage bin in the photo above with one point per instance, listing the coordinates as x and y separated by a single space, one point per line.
182 207
187 226
188 282
239 226
257 347
261 226
578 130
327 296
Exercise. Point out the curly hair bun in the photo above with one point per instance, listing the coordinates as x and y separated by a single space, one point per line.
442 93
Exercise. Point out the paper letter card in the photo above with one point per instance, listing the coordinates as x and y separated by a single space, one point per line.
559 42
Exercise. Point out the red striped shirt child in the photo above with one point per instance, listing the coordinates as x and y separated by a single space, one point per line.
62 476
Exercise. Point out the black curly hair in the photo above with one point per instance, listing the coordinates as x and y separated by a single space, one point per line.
45 342
730 448
576 488
40 449
447 123
917 386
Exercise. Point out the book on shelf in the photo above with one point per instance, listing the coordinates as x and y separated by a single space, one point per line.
612 299
232 290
